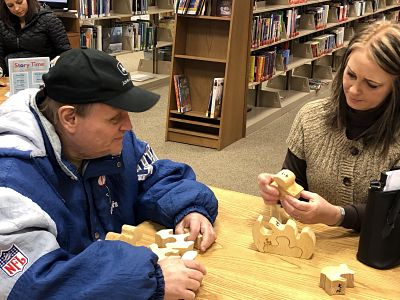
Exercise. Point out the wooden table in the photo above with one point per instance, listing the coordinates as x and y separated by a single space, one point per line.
236 270
3 89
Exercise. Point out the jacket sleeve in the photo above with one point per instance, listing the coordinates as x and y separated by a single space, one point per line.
57 34
168 190
35 267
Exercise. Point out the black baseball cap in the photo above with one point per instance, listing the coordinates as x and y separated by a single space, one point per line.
82 76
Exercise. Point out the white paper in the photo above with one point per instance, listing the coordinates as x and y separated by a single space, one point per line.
392 181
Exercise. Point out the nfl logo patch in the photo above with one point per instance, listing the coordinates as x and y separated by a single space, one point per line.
12 261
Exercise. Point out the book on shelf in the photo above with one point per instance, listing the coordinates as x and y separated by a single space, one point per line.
112 39
27 72
182 93
224 8
182 6
215 99
94 8
194 7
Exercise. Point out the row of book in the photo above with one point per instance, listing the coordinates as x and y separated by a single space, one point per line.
222 8
215 99
94 8
266 29
130 36
182 93
191 7
263 64
322 44
319 14
103 8
183 100
262 3
270 27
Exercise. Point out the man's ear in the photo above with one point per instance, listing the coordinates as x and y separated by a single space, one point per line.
67 118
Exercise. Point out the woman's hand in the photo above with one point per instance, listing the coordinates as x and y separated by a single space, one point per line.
316 210
269 193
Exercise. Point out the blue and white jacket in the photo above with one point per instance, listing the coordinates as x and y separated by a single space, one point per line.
53 219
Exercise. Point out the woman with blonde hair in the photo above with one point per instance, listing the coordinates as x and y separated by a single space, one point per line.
337 145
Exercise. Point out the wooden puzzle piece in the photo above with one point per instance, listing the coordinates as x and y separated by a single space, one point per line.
164 253
335 279
165 236
166 239
197 241
129 234
189 255
285 181
181 246
279 213
283 239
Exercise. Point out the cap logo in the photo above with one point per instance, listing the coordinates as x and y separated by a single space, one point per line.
122 69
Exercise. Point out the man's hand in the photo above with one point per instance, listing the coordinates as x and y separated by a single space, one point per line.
316 210
197 223
182 278
269 193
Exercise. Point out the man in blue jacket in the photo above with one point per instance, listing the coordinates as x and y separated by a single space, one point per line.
71 170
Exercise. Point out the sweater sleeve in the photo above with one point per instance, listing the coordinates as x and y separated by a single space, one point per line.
354 214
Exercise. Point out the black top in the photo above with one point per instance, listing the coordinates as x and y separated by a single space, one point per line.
43 36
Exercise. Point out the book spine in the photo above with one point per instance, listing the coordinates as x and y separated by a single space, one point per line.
176 85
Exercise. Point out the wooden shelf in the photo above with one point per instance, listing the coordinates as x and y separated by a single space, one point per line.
259 117
191 57
273 7
157 80
205 47
162 44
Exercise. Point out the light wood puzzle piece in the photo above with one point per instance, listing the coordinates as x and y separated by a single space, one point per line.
189 255
197 241
165 236
164 253
166 239
279 213
335 279
285 181
129 234
283 239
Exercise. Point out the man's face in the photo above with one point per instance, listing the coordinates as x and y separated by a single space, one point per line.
99 132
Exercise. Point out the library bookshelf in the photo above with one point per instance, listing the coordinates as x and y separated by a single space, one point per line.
122 10
207 47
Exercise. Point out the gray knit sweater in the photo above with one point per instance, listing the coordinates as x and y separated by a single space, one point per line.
338 169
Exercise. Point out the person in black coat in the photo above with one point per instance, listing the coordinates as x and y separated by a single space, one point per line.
29 30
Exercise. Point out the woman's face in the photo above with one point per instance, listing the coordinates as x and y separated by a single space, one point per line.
18 8
365 84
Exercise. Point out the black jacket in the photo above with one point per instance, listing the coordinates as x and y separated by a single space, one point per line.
44 35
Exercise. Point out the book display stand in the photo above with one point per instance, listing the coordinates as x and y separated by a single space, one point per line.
290 84
105 14
208 47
